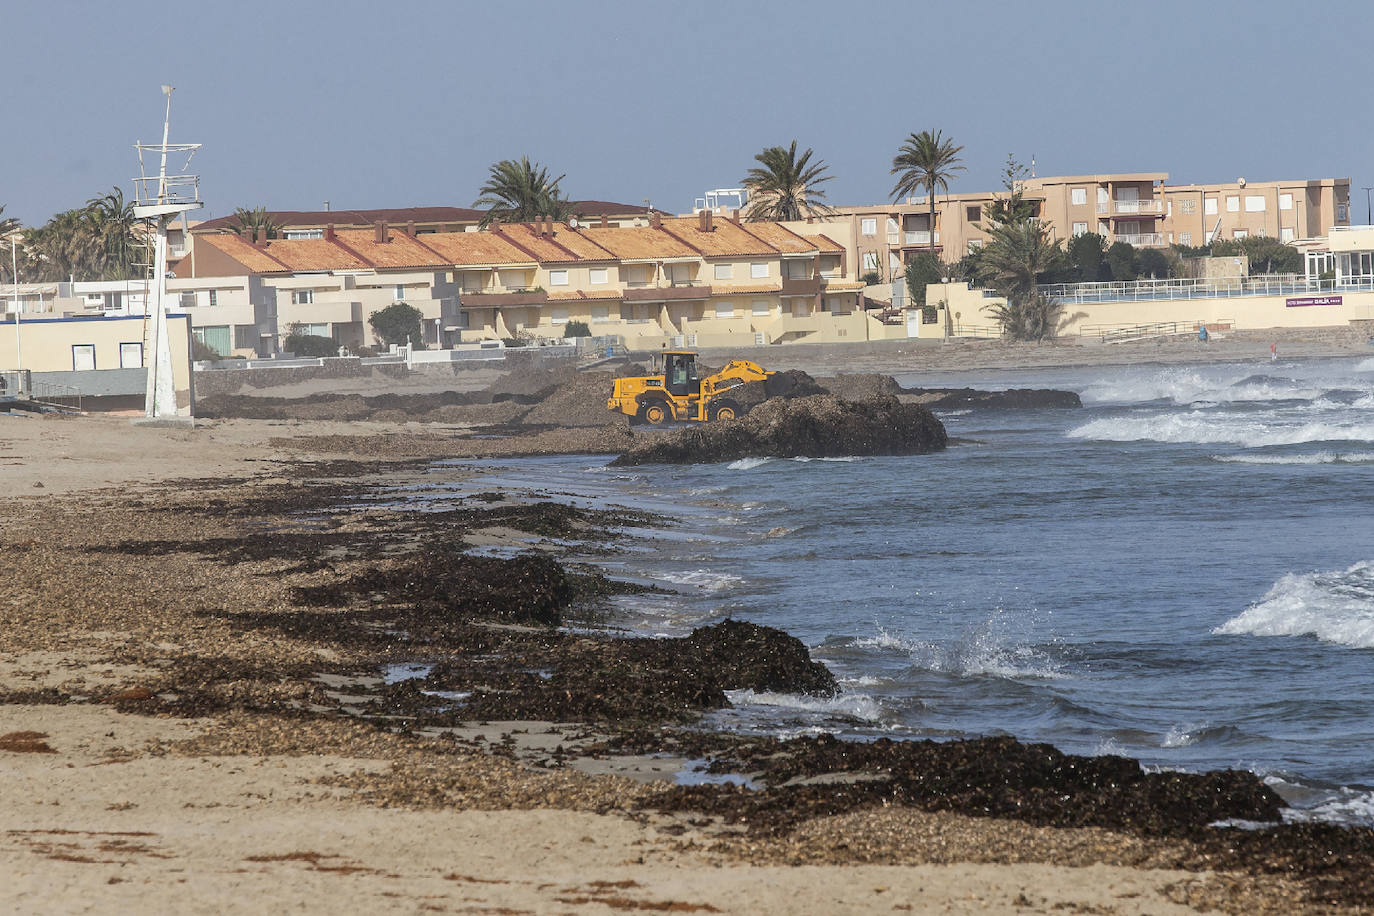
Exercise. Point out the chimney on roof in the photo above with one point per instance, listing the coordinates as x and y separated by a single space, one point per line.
702 225
380 235
655 221
549 224
734 216
605 223
410 227
495 224
329 232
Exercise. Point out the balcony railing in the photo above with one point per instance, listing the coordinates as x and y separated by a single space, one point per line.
1141 239
499 299
1154 206
1236 287
919 237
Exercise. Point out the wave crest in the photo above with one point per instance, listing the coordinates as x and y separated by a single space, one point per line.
1334 607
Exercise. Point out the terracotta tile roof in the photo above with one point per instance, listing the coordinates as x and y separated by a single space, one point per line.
581 245
746 289
639 243
547 249
608 208
477 249
585 294
399 251
396 216
314 254
253 259
826 244
725 239
781 238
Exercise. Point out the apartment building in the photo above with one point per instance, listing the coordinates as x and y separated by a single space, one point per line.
716 280
1141 209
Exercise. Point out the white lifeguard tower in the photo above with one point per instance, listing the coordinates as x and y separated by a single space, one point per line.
160 199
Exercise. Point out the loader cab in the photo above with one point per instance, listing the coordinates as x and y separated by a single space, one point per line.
680 373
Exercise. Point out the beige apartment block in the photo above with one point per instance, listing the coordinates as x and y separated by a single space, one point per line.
1141 209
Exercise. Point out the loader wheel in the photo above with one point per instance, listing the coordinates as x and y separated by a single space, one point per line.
654 413
724 412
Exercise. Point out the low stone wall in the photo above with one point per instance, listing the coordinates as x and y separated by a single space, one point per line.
209 382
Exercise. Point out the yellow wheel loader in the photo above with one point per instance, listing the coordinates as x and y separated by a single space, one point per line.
678 393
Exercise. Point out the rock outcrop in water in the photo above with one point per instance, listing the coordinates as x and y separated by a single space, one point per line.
1011 399
821 426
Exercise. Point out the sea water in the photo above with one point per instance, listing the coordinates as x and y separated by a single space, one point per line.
1182 571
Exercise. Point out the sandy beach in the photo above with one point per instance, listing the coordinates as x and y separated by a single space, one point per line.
165 750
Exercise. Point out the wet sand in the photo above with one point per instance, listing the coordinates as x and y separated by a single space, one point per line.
129 801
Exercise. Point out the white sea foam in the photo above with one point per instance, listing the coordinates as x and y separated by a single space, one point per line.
982 653
703 579
1365 365
1183 735
1343 805
1323 457
1109 747
1334 607
1217 429
851 705
843 459
1192 385
748 464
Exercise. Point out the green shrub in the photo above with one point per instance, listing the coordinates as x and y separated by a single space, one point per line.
310 345
399 324
576 329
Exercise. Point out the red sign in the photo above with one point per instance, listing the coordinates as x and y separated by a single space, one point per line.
1312 300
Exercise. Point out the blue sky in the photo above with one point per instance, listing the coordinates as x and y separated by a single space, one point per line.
389 104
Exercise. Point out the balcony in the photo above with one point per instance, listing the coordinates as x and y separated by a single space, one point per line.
319 312
919 238
511 298
809 286
1132 208
1141 239
665 293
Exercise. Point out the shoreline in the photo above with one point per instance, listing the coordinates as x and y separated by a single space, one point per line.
556 825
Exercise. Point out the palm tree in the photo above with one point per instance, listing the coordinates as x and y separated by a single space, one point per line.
521 191
8 225
113 234
785 186
255 222
926 160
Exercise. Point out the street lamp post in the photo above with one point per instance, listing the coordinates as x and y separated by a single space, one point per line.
1367 220
14 275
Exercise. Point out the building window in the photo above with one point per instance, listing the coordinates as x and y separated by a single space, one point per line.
302 296
759 308
398 293
464 320
892 227
558 315
1254 203
868 225
798 270
599 276
1080 228
131 356
973 214
1285 201
1209 206
974 245
759 270
1080 196
304 233
601 313
1342 212
725 309
83 357
558 278
1187 205
214 298
187 300
1233 203
1286 234
870 260
1185 238
1240 234
724 271
245 337
680 274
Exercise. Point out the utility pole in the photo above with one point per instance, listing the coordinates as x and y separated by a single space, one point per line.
1367 220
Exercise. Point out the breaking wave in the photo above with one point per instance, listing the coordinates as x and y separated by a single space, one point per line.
859 706
981 653
1334 607
1309 458
1212 429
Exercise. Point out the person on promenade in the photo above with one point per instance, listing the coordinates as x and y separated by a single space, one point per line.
1202 332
